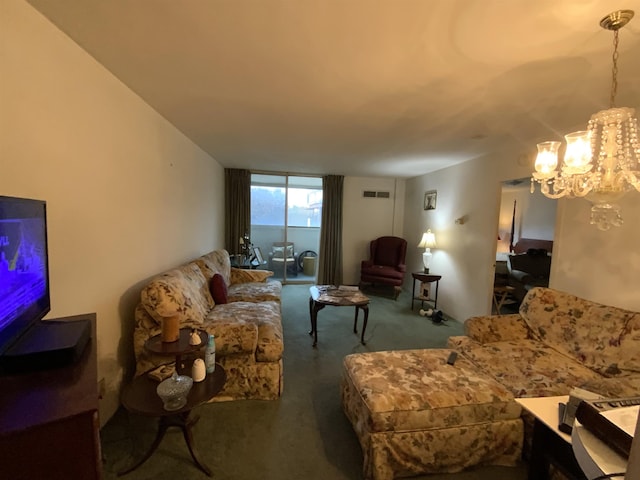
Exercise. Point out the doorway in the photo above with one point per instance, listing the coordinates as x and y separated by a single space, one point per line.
286 213
526 226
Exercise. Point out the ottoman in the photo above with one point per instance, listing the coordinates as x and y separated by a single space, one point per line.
415 414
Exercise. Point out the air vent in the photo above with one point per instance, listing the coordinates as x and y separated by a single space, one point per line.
372 194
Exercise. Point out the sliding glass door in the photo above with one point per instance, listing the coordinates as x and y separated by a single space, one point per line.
285 224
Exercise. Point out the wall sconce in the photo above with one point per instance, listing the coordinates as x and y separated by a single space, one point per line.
427 242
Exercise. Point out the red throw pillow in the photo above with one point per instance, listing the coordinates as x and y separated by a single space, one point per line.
218 289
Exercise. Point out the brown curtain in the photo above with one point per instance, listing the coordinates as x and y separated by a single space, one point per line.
330 258
237 199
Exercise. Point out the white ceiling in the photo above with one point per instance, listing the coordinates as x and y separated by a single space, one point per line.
361 87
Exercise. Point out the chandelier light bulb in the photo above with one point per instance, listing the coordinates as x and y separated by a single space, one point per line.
577 158
547 159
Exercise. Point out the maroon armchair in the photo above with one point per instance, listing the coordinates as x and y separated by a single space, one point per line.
386 263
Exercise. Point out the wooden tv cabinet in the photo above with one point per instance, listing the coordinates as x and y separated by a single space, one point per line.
49 424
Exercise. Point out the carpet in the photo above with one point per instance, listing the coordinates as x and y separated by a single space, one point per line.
304 434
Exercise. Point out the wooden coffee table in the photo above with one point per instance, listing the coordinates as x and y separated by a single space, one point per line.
140 397
323 295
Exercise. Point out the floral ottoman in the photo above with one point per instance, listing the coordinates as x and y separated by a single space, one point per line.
415 414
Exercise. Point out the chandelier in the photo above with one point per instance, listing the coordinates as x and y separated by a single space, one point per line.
601 163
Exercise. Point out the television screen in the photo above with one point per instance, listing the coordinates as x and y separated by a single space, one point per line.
24 272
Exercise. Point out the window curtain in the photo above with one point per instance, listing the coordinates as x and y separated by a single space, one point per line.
330 258
237 199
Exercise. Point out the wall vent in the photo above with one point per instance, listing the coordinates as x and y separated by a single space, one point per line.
372 194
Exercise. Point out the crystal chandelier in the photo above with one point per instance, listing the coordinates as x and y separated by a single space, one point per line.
601 163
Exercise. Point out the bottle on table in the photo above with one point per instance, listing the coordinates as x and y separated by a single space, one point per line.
210 354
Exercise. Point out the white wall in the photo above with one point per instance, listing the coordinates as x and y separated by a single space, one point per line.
365 219
128 195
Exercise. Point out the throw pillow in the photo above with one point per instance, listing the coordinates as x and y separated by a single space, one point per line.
218 289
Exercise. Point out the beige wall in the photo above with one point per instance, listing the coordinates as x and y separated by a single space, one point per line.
367 218
600 266
128 195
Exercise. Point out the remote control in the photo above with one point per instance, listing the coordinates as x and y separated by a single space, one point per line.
452 358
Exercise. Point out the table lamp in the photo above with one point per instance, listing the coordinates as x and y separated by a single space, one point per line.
428 241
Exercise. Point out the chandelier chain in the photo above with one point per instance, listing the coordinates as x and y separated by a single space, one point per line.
614 71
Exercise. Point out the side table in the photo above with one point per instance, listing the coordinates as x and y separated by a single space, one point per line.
140 397
424 278
549 445
180 347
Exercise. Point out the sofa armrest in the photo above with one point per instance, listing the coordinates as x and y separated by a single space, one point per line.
496 328
242 275
366 264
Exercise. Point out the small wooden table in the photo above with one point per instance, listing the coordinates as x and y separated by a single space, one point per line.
323 295
425 278
140 397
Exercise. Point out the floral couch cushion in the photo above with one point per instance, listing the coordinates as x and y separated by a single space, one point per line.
182 292
247 327
486 329
527 368
601 337
214 262
255 292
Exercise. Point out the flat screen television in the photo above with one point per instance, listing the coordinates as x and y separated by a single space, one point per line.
24 267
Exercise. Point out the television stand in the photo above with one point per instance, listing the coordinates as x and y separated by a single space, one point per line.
49 424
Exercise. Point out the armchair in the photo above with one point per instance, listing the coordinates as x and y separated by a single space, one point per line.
283 255
386 263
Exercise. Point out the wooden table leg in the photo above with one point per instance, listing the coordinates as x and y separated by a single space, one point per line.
315 307
181 421
188 437
365 309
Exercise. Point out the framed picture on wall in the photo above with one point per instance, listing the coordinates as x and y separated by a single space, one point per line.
430 198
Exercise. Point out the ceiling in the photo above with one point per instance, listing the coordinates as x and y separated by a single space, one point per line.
394 88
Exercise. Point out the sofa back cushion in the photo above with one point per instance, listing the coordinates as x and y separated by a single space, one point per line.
598 336
182 292
214 262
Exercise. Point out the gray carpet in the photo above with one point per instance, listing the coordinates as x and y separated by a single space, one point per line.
304 435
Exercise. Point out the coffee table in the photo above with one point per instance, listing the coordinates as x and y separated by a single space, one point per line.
140 397
323 295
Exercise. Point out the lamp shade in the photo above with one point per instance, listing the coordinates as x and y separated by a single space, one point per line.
428 240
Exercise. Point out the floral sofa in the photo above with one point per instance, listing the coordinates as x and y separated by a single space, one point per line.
556 342
415 413
247 328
